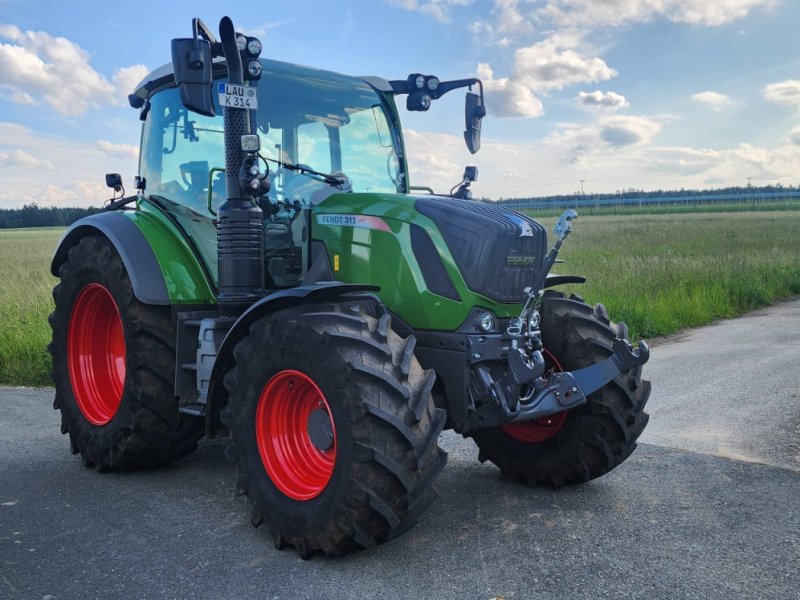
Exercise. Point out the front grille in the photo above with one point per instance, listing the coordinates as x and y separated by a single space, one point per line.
498 251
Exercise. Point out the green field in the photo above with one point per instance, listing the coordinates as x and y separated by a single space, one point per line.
25 303
659 273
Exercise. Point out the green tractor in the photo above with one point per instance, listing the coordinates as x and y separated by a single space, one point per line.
275 279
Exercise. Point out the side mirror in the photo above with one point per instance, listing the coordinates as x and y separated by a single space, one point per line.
114 180
474 111
191 63
471 174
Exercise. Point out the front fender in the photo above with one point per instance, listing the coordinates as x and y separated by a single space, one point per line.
553 280
323 291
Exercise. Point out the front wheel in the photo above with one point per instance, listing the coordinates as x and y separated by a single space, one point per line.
588 441
335 429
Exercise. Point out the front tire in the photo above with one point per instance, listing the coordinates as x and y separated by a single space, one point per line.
113 366
585 442
335 429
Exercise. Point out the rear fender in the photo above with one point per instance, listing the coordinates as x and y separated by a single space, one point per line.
163 268
144 271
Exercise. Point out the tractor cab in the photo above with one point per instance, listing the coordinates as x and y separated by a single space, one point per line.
308 121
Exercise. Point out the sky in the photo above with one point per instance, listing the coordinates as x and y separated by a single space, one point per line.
604 95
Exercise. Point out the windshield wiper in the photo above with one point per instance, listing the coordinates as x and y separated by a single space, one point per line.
329 178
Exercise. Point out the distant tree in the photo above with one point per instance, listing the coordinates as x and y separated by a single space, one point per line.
33 215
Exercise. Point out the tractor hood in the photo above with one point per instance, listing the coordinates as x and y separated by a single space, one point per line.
498 251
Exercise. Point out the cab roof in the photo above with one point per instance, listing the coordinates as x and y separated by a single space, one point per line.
164 77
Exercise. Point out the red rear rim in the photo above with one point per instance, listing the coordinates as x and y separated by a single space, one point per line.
296 435
540 430
96 354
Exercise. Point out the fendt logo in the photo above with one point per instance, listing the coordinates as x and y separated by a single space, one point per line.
520 261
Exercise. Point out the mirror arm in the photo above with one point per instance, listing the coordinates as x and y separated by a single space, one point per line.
201 29
400 86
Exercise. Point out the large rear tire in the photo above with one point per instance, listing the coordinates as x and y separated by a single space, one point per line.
113 366
335 429
588 441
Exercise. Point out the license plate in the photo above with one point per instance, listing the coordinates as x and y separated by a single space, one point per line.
237 96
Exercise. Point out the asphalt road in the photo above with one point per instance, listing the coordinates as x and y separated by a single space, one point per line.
707 507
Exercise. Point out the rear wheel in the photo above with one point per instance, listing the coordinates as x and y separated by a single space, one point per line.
335 429
113 366
586 442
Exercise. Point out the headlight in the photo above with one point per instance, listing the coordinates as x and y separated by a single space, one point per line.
433 83
241 42
420 82
487 322
254 47
533 320
254 68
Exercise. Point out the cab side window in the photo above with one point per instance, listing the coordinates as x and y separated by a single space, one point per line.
180 149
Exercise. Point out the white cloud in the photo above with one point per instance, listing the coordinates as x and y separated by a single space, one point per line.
435 155
76 192
36 67
794 136
784 92
713 100
19 97
510 19
629 130
438 9
607 100
555 63
613 13
72 171
23 160
507 97
126 151
262 31
606 137
681 161
551 64
127 78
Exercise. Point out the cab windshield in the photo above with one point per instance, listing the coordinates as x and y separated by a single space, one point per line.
327 122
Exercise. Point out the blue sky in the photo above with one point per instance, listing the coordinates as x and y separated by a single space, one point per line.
621 94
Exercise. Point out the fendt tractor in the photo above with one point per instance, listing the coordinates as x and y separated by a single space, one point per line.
277 279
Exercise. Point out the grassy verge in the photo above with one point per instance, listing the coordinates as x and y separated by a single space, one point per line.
659 273
664 209
25 303
662 273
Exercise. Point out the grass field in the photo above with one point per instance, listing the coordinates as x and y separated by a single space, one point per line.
25 303
662 273
659 273
663 209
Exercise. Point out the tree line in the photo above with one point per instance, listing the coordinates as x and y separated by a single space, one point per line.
633 193
32 215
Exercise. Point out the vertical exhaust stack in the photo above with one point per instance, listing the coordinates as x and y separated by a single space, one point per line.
240 222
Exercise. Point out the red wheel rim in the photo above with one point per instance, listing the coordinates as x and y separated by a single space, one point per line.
295 463
96 354
540 430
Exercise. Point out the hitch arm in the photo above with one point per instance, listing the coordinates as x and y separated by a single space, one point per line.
590 379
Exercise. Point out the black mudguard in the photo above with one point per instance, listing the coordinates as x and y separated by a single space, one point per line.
323 291
553 280
131 244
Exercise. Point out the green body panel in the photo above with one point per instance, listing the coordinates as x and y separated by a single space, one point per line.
386 259
183 274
